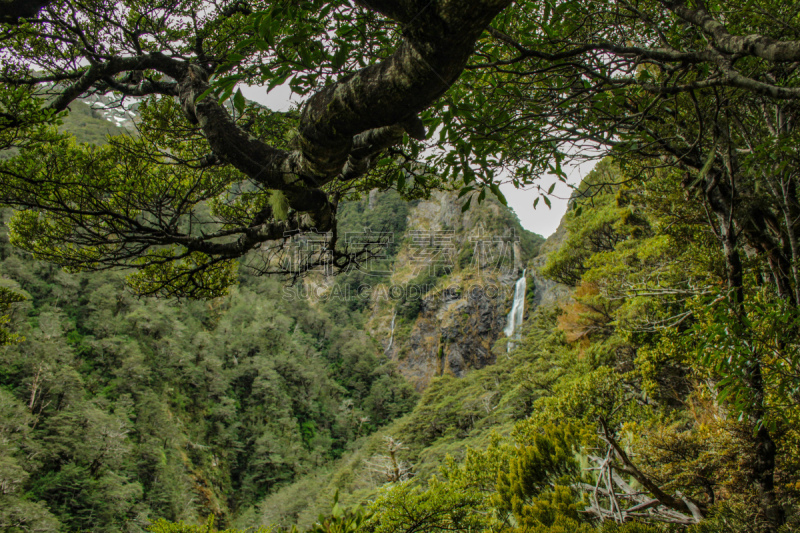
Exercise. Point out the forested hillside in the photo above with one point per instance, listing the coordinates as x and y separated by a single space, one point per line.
118 410
617 403
121 410
257 410
225 318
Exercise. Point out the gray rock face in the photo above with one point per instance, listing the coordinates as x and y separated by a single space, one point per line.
453 333
464 313
467 342
462 317
549 292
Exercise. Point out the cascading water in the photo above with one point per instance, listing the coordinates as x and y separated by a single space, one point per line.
391 334
517 311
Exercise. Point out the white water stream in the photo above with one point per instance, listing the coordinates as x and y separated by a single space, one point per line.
391 334
517 310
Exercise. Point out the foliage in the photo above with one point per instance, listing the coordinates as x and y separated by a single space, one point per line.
7 297
764 333
341 520
672 372
612 221
535 488
210 178
379 213
438 507
650 398
688 340
128 410
163 526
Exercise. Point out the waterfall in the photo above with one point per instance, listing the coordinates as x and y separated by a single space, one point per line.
517 310
391 334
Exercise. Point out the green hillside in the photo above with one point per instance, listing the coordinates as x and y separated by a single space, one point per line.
650 400
88 125
613 390
125 410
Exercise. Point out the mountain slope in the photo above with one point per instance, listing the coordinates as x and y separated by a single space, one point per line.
124 410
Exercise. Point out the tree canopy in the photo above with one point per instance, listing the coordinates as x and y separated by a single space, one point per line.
698 98
494 91
192 150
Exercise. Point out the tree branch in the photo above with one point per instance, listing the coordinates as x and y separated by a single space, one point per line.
746 45
11 11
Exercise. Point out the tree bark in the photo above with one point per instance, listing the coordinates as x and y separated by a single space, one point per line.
762 474
11 11
346 123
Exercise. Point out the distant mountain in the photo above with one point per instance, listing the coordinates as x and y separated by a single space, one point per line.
92 120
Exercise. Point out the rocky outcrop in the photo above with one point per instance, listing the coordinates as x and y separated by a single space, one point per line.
549 292
454 332
451 288
444 305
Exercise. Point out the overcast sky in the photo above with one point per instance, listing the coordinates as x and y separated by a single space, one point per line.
541 220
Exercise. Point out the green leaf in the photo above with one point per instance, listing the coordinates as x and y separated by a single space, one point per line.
498 193
305 57
225 95
267 31
274 82
238 101
465 190
340 56
204 94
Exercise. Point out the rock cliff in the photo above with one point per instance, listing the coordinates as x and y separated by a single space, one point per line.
445 303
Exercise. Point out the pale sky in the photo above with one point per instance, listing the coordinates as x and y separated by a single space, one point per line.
541 220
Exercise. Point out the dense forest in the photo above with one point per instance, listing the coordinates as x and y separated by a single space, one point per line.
629 402
163 368
118 410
